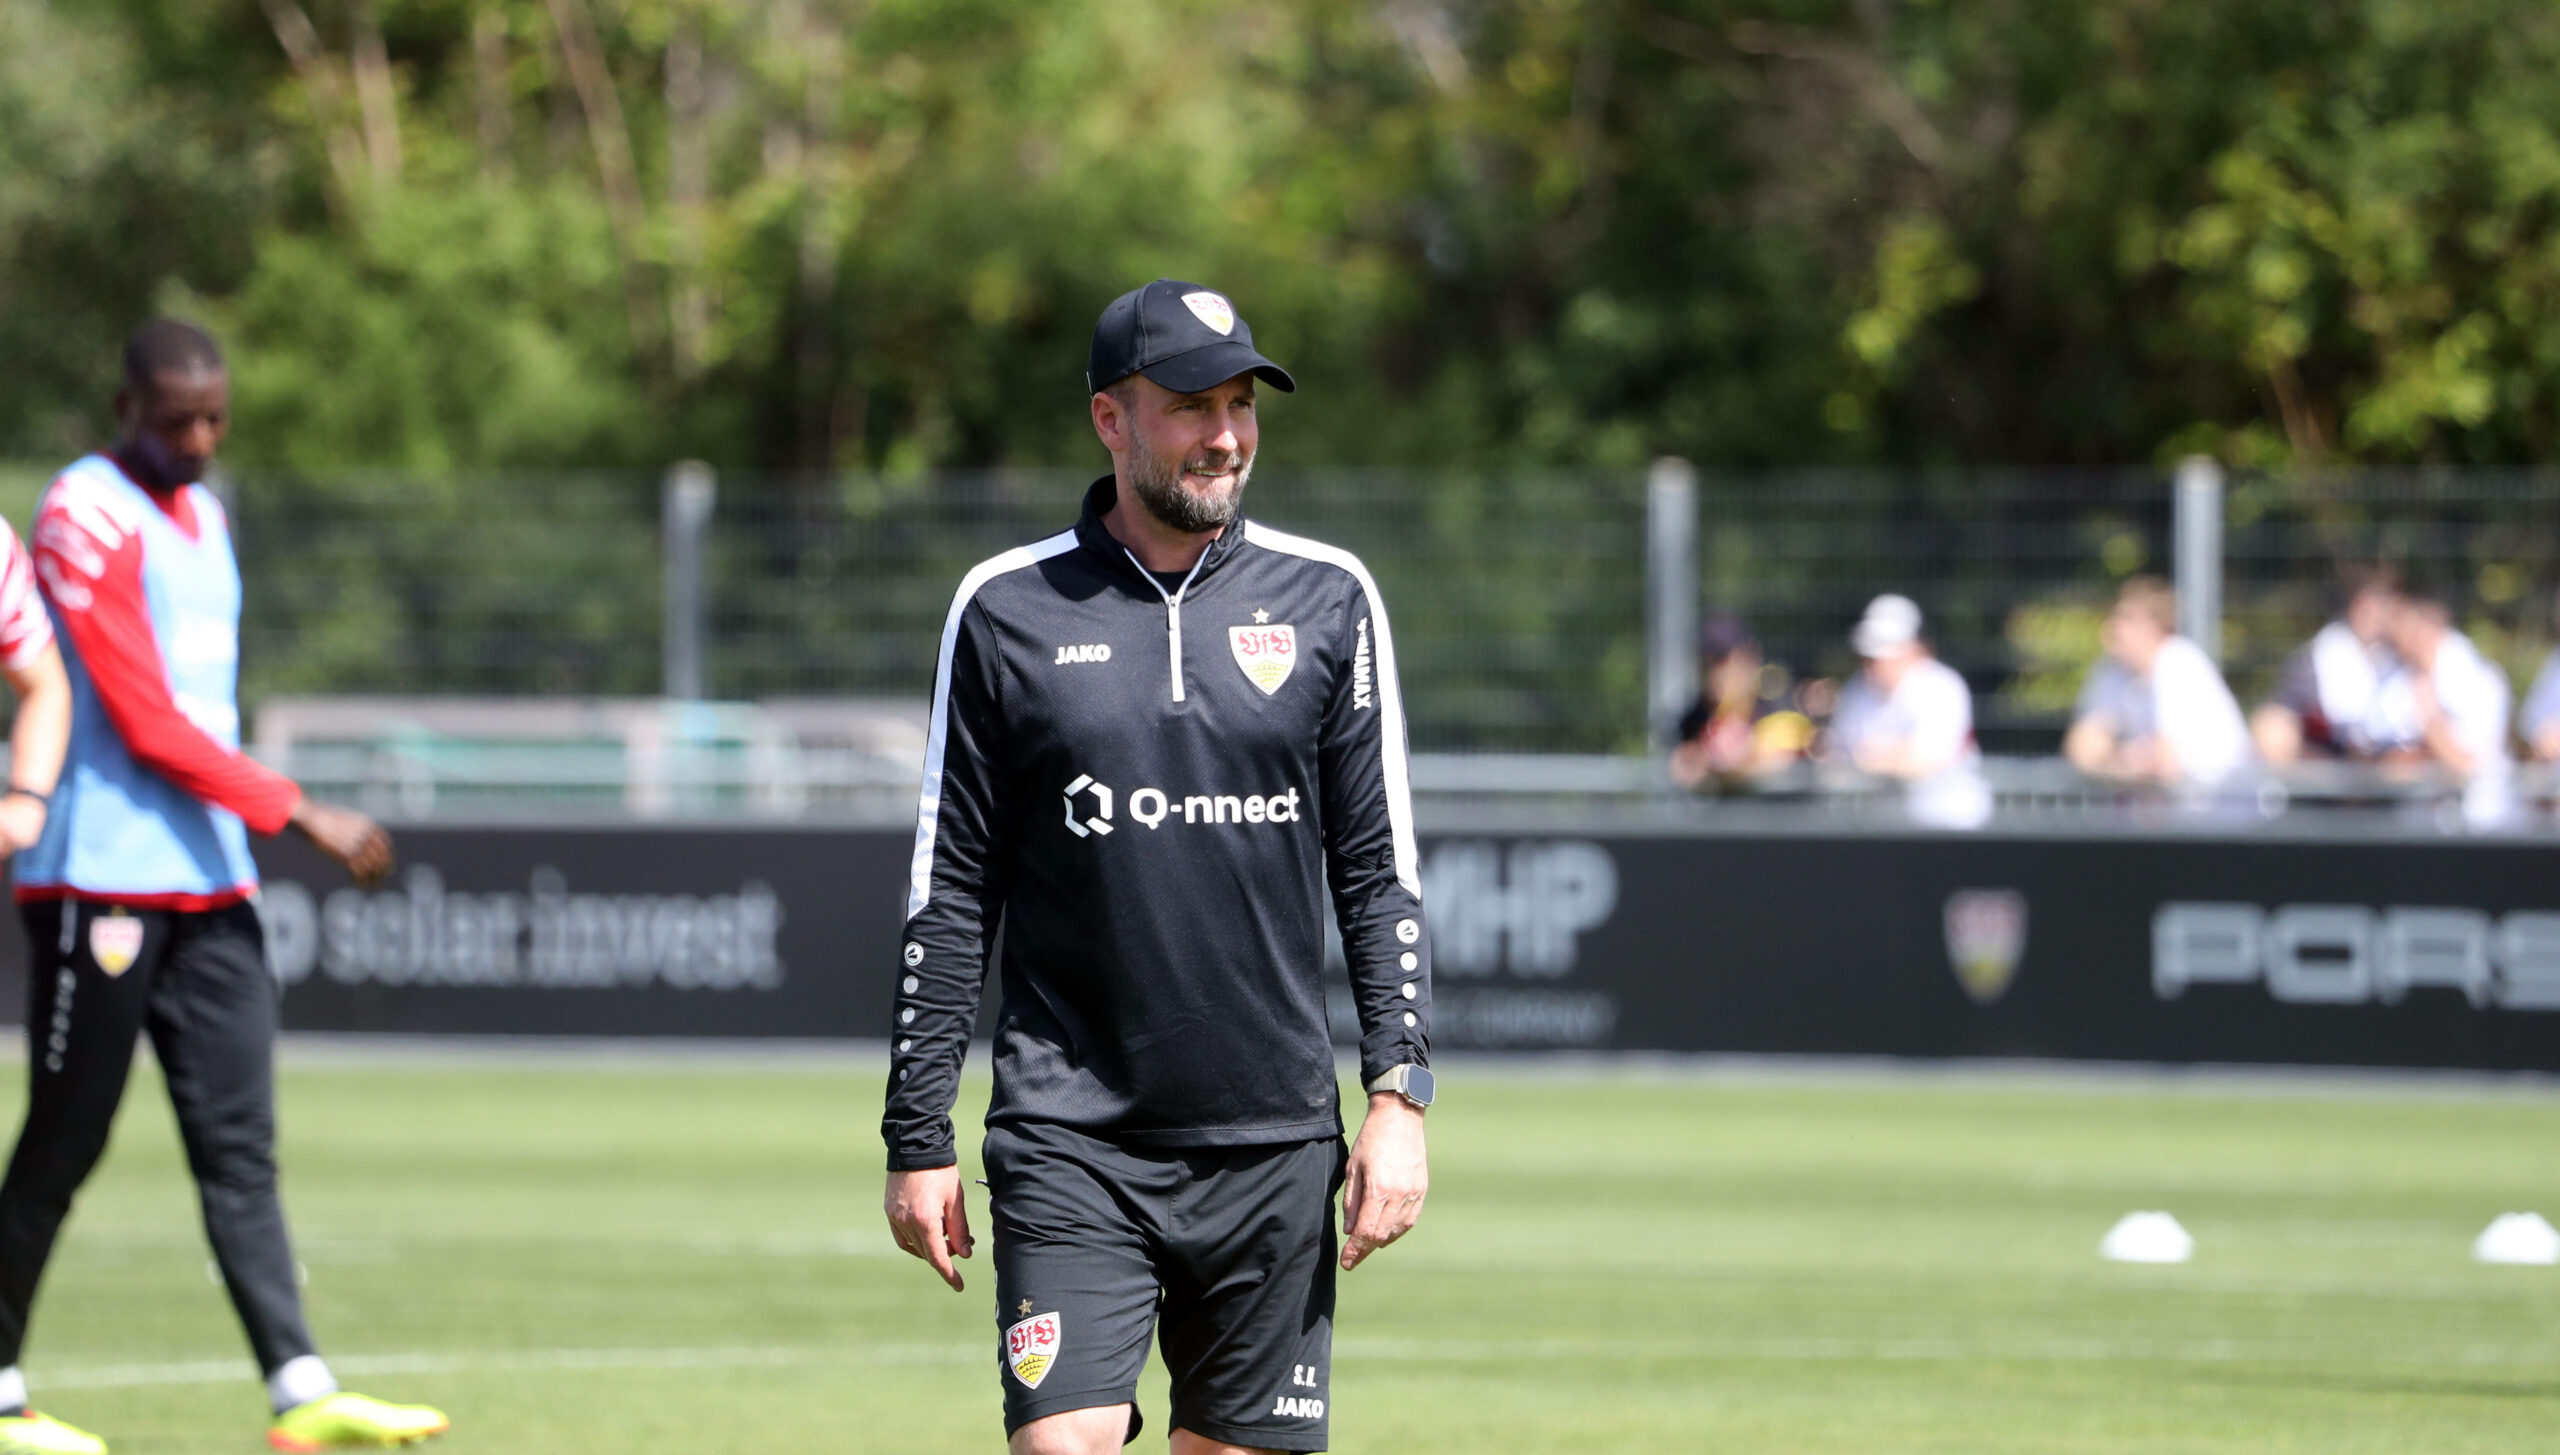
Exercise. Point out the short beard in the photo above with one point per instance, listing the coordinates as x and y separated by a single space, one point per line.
1157 482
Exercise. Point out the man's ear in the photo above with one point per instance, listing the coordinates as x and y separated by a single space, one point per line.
1109 420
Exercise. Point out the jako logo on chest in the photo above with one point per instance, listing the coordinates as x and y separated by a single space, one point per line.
1088 652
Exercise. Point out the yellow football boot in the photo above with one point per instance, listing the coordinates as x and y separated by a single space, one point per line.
344 1421
34 1434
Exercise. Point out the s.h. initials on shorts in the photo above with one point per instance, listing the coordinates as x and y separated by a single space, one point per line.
1299 1406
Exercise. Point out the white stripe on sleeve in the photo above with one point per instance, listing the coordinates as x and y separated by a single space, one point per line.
1393 765
929 802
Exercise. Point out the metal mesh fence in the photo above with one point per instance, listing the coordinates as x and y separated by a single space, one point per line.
1517 597
2011 568
1516 600
2016 569
1516 605
509 585
2487 542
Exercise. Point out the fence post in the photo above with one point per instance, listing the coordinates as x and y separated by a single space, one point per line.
2198 548
685 512
1671 595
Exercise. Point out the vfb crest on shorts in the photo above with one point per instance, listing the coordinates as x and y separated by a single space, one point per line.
1986 936
1266 653
115 942
1031 1346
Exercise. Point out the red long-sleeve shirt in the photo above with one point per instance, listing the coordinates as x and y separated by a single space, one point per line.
91 571
25 630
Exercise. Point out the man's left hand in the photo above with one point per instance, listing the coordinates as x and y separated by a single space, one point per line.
355 841
1390 1175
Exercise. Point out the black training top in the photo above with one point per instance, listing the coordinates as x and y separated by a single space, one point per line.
1151 789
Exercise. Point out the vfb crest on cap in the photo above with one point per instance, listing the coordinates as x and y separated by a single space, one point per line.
1031 1346
1212 310
1986 937
115 942
1266 653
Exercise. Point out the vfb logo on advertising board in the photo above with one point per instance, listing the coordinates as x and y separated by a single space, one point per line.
1986 933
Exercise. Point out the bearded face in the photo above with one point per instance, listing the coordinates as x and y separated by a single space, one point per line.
1195 494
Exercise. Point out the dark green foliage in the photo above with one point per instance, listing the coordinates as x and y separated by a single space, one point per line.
814 234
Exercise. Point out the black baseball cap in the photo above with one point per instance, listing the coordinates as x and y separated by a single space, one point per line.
1181 335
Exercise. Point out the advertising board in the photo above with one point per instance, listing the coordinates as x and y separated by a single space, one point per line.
2380 953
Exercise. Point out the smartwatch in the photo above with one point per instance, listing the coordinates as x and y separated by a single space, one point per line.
1409 1081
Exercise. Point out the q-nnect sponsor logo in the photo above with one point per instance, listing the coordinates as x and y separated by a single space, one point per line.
2350 954
1081 792
1089 807
545 937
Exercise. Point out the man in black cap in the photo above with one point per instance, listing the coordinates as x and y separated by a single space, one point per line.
1154 816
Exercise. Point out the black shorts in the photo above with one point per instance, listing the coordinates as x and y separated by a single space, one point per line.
1229 1251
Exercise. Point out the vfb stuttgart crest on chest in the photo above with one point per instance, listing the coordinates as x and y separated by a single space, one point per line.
1030 1347
1266 653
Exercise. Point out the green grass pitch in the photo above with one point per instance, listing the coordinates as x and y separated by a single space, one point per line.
688 1258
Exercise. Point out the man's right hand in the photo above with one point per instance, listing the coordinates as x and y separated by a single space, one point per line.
21 822
929 1217
355 841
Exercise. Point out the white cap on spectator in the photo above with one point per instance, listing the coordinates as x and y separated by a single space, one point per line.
1892 624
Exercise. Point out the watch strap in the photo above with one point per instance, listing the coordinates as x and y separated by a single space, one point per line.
1399 1079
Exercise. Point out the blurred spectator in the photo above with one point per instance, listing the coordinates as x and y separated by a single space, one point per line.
2155 709
2325 699
1742 725
2539 722
1906 714
2453 702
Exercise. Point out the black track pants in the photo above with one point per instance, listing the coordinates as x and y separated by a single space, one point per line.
198 981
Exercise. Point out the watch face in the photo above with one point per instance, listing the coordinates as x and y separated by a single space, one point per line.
1418 1085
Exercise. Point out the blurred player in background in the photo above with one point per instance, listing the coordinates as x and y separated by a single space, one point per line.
137 895
32 664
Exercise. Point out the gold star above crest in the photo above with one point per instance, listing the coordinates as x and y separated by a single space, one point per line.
1026 1308
1261 618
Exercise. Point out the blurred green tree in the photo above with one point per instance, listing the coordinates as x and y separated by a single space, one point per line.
448 235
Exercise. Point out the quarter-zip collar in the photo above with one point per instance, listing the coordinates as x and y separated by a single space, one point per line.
1099 499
